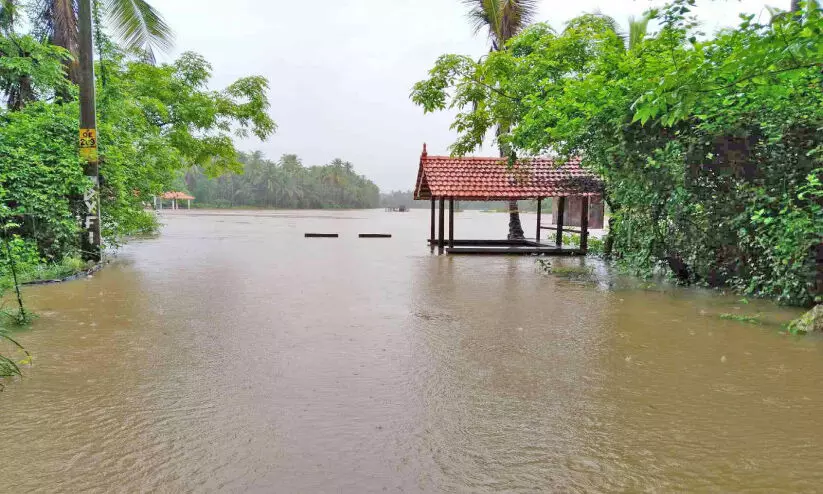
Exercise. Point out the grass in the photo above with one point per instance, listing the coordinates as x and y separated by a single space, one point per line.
741 318
8 367
57 271
69 266
568 272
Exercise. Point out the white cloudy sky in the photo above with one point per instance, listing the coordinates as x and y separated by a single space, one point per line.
341 70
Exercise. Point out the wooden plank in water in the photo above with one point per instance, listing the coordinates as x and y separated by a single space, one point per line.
516 251
321 235
470 242
375 235
566 229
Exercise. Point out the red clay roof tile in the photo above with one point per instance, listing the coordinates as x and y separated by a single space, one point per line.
476 178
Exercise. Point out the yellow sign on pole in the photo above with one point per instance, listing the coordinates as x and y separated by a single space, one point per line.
88 144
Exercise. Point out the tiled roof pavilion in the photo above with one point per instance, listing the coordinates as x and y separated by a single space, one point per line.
481 179
176 195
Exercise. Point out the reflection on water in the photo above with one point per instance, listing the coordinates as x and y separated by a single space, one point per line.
232 354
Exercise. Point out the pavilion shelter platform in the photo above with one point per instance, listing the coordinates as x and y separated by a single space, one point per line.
576 194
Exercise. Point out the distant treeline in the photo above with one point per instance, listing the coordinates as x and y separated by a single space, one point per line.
399 198
285 183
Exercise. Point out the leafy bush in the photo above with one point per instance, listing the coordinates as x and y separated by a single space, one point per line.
711 149
155 121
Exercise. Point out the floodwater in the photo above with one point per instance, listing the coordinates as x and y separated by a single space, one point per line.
231 354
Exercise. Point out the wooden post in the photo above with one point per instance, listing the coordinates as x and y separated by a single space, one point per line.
584 225
537 233
451 223
431 236
561 210
441 227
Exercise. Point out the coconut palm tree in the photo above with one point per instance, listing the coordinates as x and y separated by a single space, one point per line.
502 20
135 23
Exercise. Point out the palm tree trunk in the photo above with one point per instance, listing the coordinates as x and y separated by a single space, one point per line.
515 228
65 36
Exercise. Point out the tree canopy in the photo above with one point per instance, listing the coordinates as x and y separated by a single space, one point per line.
710 146
285 183
154 122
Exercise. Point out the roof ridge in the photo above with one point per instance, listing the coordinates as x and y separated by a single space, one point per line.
494 158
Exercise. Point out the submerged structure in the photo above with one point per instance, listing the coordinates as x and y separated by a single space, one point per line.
576 193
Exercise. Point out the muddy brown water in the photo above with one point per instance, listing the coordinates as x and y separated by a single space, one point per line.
231 354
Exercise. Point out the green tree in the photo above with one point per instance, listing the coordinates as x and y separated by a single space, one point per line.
158 121
710 149
285 183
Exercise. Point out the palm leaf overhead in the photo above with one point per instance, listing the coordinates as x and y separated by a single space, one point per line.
502 18
638 29
139 26
56 20
8 15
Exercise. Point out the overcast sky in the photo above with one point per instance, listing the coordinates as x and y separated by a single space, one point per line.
341 70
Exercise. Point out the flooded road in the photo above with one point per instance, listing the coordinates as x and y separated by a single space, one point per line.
231 354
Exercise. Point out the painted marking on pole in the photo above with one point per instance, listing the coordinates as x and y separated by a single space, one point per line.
88 144
91 201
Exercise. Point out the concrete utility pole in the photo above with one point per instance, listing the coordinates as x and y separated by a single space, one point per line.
90 239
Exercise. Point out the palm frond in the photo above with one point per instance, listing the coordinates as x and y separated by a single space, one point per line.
57 21
611 23
139 26
637 30
8 15
514 16
483 15
503 19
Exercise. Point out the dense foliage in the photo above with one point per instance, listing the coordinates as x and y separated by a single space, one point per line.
284 184
711 148
154 121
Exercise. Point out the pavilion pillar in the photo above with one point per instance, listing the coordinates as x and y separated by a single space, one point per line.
561 210
431 236
539 212
441 226
584 225
451 223
188 203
